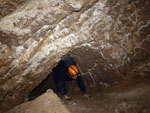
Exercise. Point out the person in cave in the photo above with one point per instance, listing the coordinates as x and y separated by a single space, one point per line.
66 70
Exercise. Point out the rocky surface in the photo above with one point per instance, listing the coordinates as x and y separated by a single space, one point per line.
130 96
110 41
9 6
47 103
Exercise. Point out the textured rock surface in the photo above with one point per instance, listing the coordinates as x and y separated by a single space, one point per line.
47 103
8 6
110 40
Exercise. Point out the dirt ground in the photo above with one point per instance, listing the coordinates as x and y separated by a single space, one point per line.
132 96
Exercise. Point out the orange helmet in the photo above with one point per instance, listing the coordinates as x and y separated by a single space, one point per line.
73 71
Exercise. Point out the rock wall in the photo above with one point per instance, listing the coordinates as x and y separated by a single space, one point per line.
120 44
109 40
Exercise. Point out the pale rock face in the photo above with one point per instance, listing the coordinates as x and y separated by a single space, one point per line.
110 41
75 5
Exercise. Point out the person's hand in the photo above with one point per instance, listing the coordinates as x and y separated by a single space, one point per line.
87 96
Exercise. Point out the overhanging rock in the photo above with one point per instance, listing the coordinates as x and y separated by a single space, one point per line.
109 40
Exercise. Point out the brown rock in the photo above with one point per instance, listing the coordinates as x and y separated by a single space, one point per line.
47 103
108 40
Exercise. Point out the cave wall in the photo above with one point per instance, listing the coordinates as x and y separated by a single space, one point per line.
110 40
120 45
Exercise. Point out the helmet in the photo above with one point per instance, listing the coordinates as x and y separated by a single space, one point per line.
73 71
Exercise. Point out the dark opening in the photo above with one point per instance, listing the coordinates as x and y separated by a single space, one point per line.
47 83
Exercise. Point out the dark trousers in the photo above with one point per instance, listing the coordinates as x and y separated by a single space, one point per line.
60 78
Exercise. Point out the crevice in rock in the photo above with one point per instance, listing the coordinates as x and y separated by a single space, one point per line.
46 84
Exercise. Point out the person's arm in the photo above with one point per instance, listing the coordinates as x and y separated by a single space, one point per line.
82 87
81 84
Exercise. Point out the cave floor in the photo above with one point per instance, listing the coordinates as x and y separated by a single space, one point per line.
132 96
